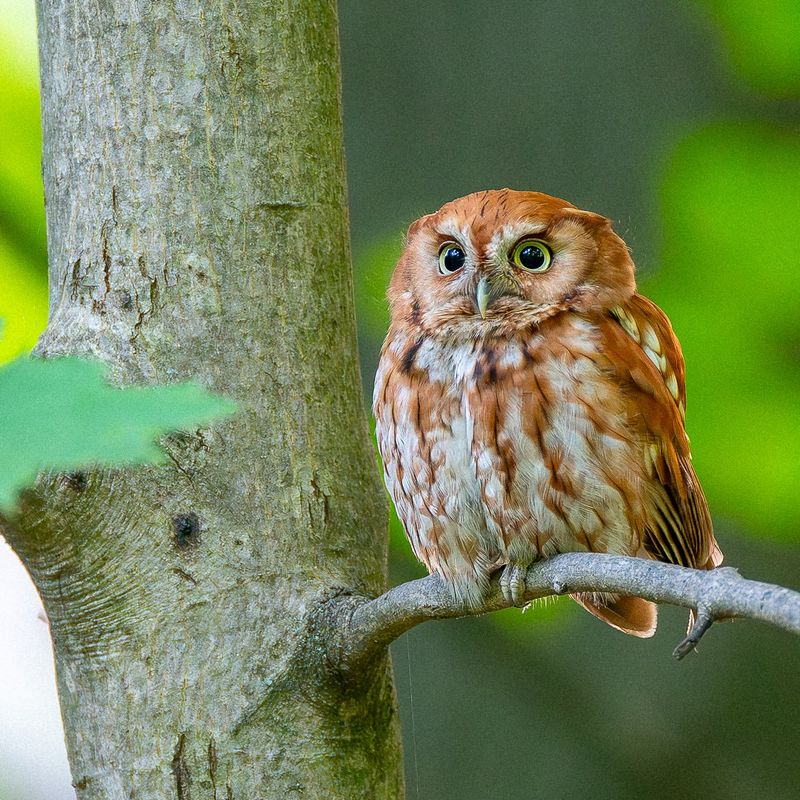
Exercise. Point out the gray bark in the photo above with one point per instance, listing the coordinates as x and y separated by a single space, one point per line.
196 217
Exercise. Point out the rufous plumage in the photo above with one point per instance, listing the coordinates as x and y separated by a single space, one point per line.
529 402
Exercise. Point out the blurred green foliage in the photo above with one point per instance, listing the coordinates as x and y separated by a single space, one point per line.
373 267
763 40
23 254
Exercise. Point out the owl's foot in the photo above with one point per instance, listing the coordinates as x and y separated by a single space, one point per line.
512 584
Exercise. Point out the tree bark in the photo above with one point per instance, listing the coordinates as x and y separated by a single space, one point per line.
197 228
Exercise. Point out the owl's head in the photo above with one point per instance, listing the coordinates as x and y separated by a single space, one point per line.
500 260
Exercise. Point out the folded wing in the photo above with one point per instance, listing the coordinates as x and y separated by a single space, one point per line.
646 354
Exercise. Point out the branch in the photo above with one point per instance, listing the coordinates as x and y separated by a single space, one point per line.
366 627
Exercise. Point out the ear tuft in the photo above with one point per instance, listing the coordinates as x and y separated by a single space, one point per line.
589 217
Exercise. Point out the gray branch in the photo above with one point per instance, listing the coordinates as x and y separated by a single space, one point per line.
366 626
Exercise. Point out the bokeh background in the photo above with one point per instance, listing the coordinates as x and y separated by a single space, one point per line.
679 120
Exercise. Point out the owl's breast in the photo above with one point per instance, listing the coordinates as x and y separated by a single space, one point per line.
557 459
424 432
507 449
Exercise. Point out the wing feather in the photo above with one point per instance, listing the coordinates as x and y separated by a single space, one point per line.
647 356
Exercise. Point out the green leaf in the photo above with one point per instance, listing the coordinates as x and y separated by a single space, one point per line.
61 414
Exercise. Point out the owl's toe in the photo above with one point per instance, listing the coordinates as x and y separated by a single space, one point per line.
512 584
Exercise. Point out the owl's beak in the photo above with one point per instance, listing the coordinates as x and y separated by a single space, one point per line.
482 296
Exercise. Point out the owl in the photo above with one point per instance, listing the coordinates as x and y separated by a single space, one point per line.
529 402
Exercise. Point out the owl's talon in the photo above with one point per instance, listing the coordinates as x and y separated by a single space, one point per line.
512 584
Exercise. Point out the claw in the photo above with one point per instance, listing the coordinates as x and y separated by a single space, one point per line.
512 584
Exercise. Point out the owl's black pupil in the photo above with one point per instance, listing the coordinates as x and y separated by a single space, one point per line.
531 257
453 259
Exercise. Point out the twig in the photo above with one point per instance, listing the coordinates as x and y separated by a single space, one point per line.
364 627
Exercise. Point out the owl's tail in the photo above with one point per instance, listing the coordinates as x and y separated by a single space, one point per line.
627 614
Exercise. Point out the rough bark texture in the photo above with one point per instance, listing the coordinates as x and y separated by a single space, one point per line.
197 228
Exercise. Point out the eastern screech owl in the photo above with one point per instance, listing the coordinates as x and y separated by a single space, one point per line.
529 402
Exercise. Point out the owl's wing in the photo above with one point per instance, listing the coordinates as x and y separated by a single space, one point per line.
647 358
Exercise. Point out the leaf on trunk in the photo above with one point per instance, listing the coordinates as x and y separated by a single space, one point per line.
62 414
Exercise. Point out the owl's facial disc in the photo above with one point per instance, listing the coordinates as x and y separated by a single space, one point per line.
497 262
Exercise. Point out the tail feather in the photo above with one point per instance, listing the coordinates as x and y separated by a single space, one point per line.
631 615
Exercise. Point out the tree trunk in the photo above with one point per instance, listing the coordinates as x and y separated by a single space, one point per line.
197 228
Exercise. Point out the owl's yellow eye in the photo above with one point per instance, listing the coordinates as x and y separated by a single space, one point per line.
533 255
451 258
